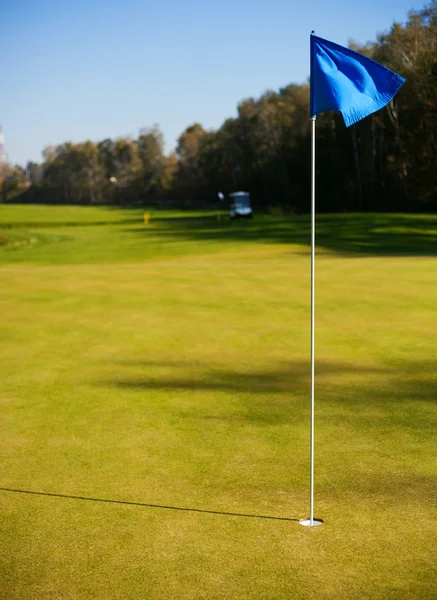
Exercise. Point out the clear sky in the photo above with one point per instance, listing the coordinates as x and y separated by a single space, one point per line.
90 69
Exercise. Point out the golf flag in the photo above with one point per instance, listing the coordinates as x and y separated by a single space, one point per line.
352 83
357 86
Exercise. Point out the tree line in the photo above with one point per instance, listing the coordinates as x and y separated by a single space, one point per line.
384 162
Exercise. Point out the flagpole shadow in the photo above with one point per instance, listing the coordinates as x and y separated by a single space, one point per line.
148 505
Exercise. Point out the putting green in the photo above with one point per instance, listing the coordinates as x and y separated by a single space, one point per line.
155 407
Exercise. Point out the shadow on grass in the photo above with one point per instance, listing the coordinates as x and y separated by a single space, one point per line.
371 234
269 397
35 224
373 402
144 504
287 376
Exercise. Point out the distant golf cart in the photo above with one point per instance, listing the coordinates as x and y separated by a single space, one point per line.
240 207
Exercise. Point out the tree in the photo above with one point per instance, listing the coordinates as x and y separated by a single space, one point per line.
154 174
13 181
188 177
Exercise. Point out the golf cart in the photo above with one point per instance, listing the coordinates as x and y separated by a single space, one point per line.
240 207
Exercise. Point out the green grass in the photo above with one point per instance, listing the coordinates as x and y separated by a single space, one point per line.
165 368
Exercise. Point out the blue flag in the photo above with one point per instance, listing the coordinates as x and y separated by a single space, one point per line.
352 83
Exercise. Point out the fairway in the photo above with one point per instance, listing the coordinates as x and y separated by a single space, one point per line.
155 406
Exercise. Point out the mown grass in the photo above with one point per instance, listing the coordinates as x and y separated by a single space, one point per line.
110 235
165 368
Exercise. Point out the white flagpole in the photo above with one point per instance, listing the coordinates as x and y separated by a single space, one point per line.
312 522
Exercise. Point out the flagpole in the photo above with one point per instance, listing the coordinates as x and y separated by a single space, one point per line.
312 522
313 289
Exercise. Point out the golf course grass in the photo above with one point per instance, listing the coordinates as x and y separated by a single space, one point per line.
155 396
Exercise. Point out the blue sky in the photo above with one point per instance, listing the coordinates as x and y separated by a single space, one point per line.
90 69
